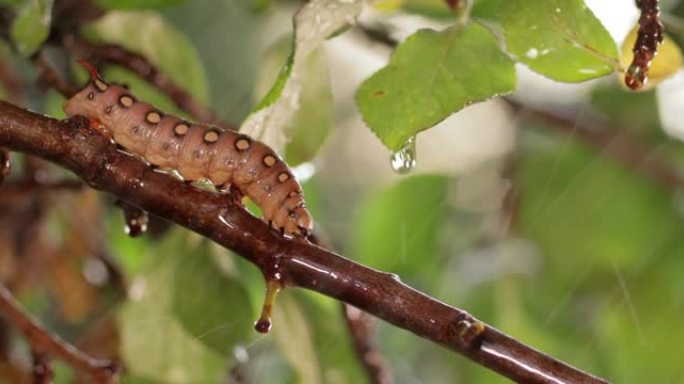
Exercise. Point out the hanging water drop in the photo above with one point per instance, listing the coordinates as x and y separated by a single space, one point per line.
263 324
135 219
4 164
404 160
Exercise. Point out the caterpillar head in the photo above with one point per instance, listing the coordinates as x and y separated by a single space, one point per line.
84 102
299 222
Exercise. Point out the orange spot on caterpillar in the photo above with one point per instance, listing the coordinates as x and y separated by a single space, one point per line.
269 160
211 136
242 144
379 93
181 129
153 117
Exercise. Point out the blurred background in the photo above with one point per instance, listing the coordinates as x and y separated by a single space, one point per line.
522 211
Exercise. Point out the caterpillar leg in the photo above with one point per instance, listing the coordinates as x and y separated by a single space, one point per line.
97 125
237 195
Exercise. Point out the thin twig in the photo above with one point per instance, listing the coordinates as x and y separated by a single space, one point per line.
73 145
44 342
115 54
614 143
18 190
43 372
360 325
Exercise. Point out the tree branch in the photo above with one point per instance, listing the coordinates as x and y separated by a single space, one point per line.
92 157
43 342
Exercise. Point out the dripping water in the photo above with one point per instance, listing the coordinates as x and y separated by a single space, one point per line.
404 160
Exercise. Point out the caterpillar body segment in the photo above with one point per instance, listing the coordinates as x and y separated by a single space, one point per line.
196 151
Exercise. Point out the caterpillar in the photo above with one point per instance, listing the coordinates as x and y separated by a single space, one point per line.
196 151
650 36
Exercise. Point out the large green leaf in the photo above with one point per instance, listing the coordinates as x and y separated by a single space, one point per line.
136 4
430 76
147 33
397 229
292 332
211 305
32 25
584 209
561 39
315 22
155 345
311 122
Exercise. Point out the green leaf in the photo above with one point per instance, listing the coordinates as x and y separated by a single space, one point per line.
292 332
315 22
430 76
335 354
137 4
560 39
155 344
397 229
311 122
584 209
32 25
147 33
211 305
636 112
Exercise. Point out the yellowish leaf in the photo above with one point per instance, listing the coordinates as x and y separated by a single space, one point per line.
665 64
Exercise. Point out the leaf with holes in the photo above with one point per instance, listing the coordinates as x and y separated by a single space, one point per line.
560 39
430 76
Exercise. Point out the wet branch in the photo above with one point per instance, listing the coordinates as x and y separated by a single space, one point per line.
92 157
44 343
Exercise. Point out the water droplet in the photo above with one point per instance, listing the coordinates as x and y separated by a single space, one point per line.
404 160
135 219
4 164
263 325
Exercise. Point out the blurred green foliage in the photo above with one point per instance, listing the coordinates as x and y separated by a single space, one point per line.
32 25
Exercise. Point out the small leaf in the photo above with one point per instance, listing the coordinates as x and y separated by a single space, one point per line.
32 26
560 39
137 4
316 21
397 229
663 66
430 76
147 33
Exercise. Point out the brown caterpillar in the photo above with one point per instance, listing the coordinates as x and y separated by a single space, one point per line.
196 151
650 36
